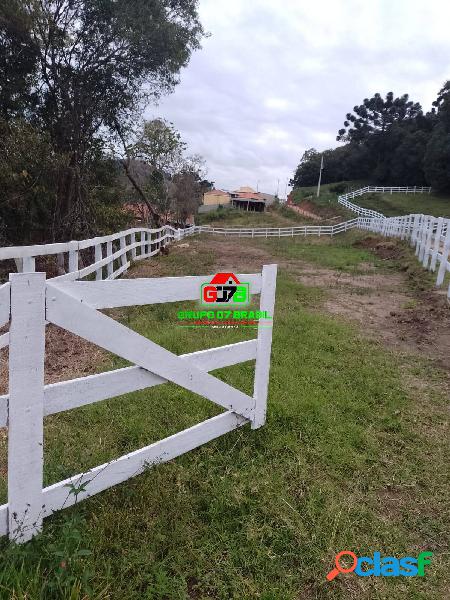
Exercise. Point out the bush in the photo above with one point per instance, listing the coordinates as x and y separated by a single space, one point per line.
338 188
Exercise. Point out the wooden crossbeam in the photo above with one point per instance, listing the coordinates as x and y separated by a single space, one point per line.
5 303
61 495
82 320
135 292
67 395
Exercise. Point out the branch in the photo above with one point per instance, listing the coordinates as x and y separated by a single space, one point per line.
126 165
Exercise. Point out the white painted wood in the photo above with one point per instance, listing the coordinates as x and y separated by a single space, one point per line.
3 519
110 263
28 264
120 270
26 398
437 243
445 254
137 292
77 317
105 476
5 303
73 257
4 340
98 258
74 393
123 247
133 246
428 242
264 346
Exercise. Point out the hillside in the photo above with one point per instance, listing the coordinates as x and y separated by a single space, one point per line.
389 204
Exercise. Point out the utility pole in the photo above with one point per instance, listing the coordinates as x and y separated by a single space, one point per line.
320 177
278 188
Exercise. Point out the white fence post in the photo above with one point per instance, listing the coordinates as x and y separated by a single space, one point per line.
98 258
73 257
28 264
123 258
437 243
444 259
264 345
110 265
428 240
26 399
133 250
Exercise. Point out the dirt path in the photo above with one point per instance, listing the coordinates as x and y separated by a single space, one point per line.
379 302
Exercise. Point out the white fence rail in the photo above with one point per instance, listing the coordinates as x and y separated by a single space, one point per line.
344 199
112 254
267 232
29 301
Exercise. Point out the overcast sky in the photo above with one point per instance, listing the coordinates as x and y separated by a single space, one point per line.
278 77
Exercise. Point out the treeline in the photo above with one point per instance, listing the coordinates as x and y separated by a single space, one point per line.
75 78
387 141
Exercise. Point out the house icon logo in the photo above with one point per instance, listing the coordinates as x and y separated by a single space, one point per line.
225 288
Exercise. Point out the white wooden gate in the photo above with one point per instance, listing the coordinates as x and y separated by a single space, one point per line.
29 301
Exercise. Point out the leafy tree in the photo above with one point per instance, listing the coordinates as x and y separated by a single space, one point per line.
437 156
98 62
18 61
307 172
376 116
28 176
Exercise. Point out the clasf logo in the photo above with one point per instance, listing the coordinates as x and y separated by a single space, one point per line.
225 288
388 566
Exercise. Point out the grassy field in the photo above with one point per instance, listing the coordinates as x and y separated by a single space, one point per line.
277 216
390 205
352 457
393 205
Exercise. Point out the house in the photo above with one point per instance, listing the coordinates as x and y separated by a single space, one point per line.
247 199
216 197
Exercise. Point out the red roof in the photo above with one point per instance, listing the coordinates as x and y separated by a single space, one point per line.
222 278
249 196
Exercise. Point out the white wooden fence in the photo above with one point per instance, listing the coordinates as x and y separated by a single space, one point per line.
112 254
28 301
266 232
344 199
429 235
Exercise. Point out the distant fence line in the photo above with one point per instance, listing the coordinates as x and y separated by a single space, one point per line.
366 212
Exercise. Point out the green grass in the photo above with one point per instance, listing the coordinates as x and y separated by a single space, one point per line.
390 205
393 205
349 459
276 216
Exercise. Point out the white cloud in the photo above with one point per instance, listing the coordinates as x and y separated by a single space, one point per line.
276 78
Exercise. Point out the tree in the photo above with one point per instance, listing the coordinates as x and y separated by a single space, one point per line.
28 176
307 172
98 62
376 116
437 155
18 61
189 186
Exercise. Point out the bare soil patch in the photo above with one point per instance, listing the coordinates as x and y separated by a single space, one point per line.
66 357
